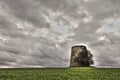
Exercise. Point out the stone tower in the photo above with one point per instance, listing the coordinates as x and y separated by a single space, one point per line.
79 56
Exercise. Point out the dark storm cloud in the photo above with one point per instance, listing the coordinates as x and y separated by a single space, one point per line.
41 32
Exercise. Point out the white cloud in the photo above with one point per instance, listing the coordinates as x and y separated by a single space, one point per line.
110 25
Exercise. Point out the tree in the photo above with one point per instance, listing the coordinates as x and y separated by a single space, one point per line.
85 58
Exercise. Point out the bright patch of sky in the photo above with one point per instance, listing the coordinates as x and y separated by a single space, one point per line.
61 28
111 25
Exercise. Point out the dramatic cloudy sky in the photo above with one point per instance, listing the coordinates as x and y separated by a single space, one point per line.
40 33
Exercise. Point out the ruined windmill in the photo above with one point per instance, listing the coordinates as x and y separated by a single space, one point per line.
80 57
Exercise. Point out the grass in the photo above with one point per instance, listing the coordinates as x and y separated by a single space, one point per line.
76 73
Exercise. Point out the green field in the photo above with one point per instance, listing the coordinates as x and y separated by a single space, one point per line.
60 74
